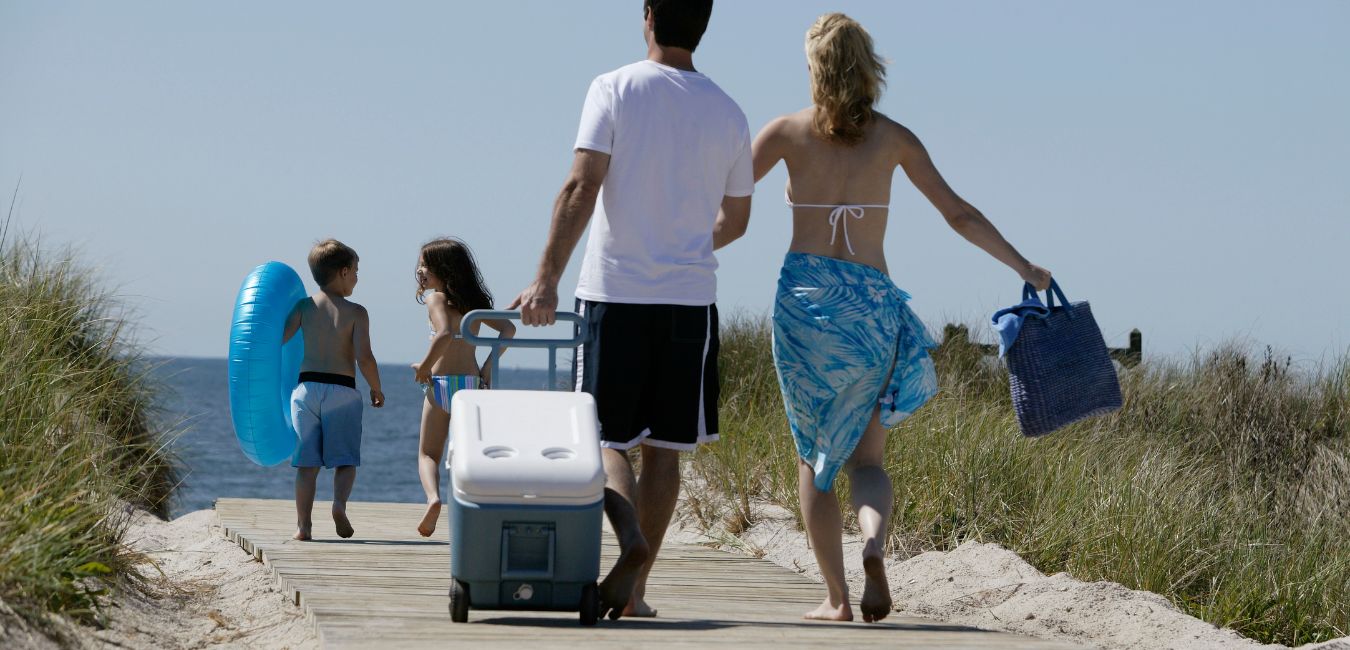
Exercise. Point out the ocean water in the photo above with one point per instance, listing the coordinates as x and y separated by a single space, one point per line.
196 401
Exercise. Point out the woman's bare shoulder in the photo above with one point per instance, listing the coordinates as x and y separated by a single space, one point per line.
789 125
893 129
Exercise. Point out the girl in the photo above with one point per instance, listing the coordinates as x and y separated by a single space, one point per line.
449 284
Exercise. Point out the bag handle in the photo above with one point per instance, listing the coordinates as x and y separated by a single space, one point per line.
1029 293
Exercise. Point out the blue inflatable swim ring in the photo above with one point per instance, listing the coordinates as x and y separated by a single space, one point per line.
263 372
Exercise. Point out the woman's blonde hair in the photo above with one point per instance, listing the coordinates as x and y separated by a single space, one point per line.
846 77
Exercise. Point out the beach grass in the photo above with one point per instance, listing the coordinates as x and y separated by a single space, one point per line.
77 443
1223 483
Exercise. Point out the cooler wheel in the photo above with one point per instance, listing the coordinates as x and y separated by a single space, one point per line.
459 602
590 604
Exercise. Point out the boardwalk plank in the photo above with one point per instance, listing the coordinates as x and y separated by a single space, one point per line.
387 587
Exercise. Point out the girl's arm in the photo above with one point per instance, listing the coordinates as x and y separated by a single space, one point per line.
505 330
961 216
439 313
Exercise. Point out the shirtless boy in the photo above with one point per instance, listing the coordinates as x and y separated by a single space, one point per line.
325 407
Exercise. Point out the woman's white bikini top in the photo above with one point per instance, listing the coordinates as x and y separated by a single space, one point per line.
840 212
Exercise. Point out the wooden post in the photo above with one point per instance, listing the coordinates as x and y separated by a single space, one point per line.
953 334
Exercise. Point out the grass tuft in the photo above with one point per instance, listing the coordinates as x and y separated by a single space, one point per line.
77 442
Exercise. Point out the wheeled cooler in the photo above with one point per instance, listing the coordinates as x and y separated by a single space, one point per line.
527 493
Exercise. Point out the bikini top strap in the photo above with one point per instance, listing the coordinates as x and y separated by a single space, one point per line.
838 213
790 204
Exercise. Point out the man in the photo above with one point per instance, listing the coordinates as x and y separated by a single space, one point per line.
672 152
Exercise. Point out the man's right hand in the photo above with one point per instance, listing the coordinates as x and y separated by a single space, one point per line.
538 303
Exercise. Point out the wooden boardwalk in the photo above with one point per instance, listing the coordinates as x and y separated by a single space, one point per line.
387 587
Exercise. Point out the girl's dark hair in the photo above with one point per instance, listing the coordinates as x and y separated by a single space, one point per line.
451 261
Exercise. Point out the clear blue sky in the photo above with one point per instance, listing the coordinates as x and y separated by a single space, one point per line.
1181 165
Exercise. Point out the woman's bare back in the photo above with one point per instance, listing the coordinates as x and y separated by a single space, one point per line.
826 173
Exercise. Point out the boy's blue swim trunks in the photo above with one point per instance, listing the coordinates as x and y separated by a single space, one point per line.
326 412
845 343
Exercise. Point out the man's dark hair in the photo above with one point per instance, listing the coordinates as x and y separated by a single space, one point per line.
678 23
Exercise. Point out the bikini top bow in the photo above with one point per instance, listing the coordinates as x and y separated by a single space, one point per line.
838 213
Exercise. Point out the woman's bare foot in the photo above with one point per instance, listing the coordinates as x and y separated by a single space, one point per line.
876 598
639 608
828 612
302 535
344 527
429 519
617 587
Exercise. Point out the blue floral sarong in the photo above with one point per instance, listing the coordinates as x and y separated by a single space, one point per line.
844 343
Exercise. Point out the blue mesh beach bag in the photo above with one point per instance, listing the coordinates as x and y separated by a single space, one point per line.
1058 367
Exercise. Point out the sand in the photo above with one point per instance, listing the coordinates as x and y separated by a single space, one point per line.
204 591
990 587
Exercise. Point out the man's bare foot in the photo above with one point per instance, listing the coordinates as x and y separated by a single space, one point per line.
639 608
617 587
302 535
344 527
876 598
828 612
429 519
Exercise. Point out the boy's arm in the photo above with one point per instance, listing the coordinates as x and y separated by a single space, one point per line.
365 358
292 321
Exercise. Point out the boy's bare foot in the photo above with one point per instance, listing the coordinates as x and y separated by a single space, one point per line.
876 598
344 527
302 535
639 608
828 612
617 587
429 519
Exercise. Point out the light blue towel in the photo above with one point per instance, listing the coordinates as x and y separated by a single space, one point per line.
844 344
1008 321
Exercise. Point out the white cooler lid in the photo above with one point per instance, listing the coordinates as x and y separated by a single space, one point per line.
521 446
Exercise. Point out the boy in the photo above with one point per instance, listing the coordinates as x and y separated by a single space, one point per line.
325 407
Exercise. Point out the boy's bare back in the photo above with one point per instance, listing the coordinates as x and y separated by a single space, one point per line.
329 325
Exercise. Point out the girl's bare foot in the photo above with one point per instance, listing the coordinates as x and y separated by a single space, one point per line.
876 598
344 527
302 535
429 519
828 612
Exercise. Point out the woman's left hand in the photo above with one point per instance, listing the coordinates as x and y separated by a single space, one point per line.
1036 277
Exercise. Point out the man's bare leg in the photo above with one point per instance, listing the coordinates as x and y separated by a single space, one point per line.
306 479
824 529
873 499
620 487
343 479
658 490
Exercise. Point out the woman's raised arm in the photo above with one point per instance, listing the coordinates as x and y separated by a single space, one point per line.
960 215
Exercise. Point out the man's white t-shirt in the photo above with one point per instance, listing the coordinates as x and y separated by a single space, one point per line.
677 145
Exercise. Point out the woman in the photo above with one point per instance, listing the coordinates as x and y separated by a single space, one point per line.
852 358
